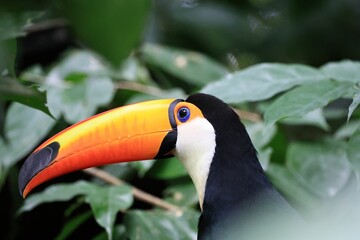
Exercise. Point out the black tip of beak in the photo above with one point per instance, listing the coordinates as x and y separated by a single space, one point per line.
36 162
167 145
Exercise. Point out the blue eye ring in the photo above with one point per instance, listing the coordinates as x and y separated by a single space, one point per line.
183 114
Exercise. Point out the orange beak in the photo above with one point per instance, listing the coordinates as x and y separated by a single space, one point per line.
135 132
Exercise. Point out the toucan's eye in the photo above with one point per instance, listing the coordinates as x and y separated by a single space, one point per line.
183 114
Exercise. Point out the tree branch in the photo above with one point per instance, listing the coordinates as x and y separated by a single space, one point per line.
253 117
138 194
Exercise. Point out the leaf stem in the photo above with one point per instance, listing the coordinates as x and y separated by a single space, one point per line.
138 194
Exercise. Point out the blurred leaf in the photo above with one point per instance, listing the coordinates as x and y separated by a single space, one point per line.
355 103
260 136
8 50
142 166
264 156
285 181
11 89
58 193
352 150
107 202
118 233
343 71
13 24
347 130
24 127
322 166
304 99
192 67
76 87
72 224
133 70
314 118
170 93
149 225
112 28
262 81
167 169
183 194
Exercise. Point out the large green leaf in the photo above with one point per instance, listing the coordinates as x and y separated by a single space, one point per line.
107 202
192 67
322 166
303 99
352 150
24 128
262 81
285 181
313 118
57 193
112 28
343 71
154 225
76 87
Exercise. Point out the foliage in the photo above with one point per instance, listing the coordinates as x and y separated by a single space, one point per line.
304 120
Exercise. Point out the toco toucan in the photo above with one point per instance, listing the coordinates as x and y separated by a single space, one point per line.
203 132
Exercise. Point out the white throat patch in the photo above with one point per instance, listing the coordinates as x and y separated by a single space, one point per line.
195 147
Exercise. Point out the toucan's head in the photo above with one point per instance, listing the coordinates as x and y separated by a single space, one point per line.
147 130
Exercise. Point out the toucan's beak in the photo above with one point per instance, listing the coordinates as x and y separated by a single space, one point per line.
135 132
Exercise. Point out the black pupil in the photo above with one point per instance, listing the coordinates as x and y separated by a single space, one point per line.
183 112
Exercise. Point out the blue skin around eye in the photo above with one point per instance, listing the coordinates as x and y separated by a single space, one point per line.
186 117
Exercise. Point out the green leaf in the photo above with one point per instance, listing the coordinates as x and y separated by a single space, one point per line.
167 169
118 233
76 87
343 71
260 136
321 166
352 150
183 194
24 127
347 130
72 224
192 67
262 81
8 50
58 193
154 225
142 167
304 99
112 28
264 156
285 181
13 24
313 118
355 103
11 89
107 202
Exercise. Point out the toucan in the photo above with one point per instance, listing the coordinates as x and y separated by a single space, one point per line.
203 132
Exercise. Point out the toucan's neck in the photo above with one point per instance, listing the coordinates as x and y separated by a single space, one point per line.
235 174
